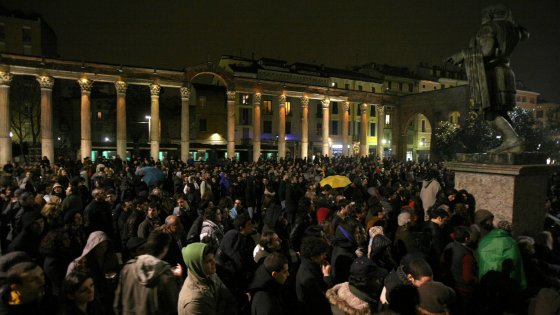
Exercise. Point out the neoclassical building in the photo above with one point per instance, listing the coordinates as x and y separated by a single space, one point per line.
241 108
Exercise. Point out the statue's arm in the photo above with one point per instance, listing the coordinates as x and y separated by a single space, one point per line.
456 59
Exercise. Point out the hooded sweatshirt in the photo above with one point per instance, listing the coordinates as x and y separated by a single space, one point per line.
146 286
202 293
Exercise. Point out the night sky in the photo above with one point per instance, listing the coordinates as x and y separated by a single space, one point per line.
173 34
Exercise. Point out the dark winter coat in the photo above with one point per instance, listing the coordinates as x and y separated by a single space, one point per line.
311 287
98 217
266 294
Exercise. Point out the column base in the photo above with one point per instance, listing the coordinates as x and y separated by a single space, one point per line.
47 149
515 193
154 150
231 150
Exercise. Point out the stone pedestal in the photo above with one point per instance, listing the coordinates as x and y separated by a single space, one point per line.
515 193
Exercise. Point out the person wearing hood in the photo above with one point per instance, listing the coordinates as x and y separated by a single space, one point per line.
359 294
203 292
267 286
99 260
430 189
147 284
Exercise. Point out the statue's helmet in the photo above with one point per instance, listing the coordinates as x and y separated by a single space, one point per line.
496 13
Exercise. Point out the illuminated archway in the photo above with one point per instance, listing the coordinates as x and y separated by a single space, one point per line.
418 133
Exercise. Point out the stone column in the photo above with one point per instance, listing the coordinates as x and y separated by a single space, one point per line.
282 126
85 118
5 139
257 126
363 131
326 104
185 123
155 136
47 139
121 86
231 124
345 118
304 127
380 128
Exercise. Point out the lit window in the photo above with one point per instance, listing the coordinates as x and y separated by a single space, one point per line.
245 99
267 107
387 119
202 101
288 108
100 115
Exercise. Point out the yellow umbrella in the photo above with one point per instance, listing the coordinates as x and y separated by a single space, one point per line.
336 181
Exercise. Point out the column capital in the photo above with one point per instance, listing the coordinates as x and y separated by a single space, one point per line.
326 102
380 108
282 100
304 101
346 106
6 78
155 89
121 86
45 82
231 95
364 106
257 99
85 85
185 92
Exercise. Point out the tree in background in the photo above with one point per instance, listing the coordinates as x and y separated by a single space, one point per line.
25 113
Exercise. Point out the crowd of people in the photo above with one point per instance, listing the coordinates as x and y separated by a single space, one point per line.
231 237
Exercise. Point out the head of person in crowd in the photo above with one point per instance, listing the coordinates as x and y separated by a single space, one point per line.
418 271
98 194
366 276
173 226
9 260
78 292
315 249
157 244
484 219
200 259
136 246
153 210
213 214
439 216
244 224
26 283
276 265
26 199
403 220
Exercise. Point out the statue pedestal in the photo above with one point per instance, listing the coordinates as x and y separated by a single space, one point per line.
515 193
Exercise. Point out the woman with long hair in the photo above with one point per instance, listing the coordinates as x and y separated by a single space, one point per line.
78 296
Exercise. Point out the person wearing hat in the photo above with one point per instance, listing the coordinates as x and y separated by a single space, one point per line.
359 294
58 190
203 292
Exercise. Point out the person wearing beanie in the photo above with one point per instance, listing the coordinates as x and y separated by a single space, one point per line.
406 241
483 223
203 292
359 294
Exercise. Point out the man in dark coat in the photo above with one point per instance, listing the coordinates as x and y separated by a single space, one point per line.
312 279
97 214
267 286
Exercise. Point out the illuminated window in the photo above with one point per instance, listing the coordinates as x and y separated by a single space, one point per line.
267 107
100 115
245 99
202 101
387 119
288 108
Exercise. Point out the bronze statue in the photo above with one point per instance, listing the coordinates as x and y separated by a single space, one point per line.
491 80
